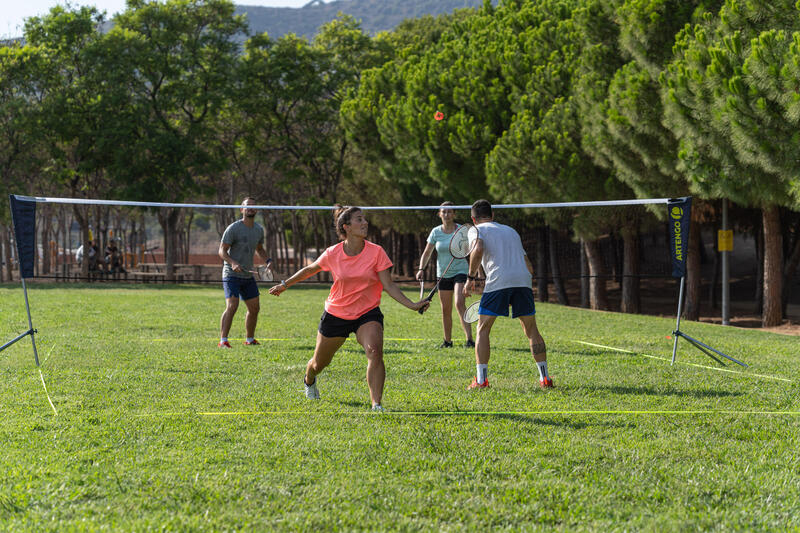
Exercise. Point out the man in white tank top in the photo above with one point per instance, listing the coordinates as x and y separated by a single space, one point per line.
509 276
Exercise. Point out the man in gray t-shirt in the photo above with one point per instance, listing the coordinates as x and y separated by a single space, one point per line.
239 242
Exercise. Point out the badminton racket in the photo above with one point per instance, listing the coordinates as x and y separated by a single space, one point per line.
263 272
471 314
459 248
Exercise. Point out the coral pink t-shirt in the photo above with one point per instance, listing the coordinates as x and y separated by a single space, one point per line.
356 287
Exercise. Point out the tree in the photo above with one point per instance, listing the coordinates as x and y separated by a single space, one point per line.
727 121
181 57
77 105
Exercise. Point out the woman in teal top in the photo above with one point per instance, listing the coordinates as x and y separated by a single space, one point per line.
439 239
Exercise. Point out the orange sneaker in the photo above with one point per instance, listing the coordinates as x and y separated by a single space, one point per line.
546 383
224 344
475 385
254 343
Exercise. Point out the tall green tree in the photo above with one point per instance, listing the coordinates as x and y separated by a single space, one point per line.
76 108
19 151
730 130
628 43
181 57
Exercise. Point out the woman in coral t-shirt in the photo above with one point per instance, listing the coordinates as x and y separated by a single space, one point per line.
360 271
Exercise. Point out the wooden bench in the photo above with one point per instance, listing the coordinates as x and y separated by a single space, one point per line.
157 277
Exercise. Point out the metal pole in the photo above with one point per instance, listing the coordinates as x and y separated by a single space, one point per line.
678 320
726 293
30 322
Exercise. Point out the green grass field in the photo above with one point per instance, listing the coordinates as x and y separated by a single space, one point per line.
157 429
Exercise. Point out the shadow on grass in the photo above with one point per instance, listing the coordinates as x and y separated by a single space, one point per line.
650 391
590 352
539 421
355 404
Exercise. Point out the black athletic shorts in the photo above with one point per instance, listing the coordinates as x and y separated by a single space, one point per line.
448 284
333 326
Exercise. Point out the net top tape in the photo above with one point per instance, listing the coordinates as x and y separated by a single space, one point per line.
86 201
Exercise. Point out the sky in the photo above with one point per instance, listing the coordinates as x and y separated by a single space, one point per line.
14 12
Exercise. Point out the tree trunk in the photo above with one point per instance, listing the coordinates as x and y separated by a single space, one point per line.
716 275
631 301
691 310
4 259
81 216
773 268
555 269
168 219
411 254
598 294
758 297
541 264
584 277
187 240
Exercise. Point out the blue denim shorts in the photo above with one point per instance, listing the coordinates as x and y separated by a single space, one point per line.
244 288
496 303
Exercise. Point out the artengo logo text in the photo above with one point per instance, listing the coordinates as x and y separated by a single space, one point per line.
677 214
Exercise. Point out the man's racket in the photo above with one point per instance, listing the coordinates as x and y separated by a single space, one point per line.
459 249
263 272
471 315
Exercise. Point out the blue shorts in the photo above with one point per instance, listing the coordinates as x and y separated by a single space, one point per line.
496 303
244 288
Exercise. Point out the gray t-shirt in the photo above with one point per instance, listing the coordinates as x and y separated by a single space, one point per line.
243 241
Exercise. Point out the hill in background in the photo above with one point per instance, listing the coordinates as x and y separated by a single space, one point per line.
375 15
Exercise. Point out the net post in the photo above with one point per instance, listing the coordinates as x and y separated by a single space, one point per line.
23 217
680 222
31 331
676 333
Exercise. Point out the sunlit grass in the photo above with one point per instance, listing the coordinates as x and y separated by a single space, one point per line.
157 428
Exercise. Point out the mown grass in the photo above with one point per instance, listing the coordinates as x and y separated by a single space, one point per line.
159 429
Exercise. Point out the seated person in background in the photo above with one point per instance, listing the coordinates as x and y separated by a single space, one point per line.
113 258
94 257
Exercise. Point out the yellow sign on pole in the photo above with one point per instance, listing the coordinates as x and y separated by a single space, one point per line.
725 240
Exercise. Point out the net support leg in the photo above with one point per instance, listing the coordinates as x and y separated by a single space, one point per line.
30 331
9 343
705 348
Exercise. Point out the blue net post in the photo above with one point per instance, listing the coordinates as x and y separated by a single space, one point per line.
23 216
679 216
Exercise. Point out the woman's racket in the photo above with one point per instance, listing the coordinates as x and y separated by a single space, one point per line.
459 249
471 315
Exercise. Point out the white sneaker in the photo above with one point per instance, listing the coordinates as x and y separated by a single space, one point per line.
312 392
378 408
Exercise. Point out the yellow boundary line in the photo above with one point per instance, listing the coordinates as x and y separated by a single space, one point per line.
47 393
693 412
683 363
